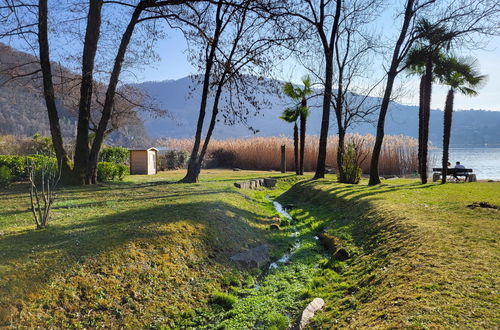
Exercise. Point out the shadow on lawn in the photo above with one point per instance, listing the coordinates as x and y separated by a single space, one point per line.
204 222
347 208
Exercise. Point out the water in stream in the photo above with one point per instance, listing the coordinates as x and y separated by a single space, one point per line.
286 257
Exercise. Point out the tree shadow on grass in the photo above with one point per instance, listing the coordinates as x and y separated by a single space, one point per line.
213 229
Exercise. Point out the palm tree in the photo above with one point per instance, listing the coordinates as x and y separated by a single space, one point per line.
291 115
301 112
461 75
421 60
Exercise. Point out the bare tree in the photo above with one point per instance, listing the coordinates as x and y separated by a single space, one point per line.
29 21
316 21
354 51
231 49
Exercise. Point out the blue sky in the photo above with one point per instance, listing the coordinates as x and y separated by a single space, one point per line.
174 65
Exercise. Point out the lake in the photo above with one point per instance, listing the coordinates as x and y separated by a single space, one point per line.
484 161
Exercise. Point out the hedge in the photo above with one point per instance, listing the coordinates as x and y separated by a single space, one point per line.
18 165
117 155
107 171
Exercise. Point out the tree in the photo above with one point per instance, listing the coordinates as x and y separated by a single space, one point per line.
354 50
421 60
461 75
231 47
27 19
299 111
468 20
319 21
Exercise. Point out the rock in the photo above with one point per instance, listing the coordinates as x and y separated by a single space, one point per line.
331 242
308 313
341 254
242 184
256 257
270 183
274 227
236 169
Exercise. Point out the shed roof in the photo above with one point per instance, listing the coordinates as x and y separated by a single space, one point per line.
142 149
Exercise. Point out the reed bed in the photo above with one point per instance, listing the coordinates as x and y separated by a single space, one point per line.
398 156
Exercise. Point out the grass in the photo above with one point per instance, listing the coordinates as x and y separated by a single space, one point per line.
422 260
146 253
129 254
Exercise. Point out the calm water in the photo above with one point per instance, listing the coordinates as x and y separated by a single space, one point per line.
484 161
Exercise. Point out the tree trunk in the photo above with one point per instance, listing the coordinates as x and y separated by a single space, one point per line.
391 76
327 98
425 120
193 166
110 94
48 93
420 121
340 155
296 148
303 120
448 112
82 148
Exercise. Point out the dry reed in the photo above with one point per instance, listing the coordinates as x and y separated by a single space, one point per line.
398 156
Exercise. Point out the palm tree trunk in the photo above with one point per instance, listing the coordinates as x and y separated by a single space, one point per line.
420 122
448 112
302 142
296 147
425 120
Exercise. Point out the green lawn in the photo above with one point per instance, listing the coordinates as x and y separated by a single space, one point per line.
151 253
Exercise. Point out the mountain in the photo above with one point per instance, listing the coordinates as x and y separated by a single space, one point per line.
181 99
22 106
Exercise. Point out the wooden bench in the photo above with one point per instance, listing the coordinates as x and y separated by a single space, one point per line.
454 172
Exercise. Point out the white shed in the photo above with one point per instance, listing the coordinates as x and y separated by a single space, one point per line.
143 160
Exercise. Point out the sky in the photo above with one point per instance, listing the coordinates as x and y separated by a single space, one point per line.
174 65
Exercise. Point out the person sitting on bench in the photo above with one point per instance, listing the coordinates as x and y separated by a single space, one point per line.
456 174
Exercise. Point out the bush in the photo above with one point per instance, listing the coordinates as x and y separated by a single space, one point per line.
117 155
5 176
173 160
107 171
225 300
18 165
42 145
221 158
350 166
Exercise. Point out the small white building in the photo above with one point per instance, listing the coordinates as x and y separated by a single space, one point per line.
143 161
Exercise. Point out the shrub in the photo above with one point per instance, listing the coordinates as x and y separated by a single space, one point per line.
117 155
225 300
352 171
5 176
107 171
223 158
18 165
173 160
42 145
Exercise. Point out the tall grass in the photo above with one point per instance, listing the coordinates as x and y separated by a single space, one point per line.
398 156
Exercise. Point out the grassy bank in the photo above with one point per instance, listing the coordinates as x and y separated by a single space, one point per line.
133 254
150 253
422 257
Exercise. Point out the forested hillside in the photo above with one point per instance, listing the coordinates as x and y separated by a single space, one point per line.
22 107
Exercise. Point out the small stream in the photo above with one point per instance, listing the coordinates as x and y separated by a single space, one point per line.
286 257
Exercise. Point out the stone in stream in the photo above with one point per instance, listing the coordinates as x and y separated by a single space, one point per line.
255 257
308 313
